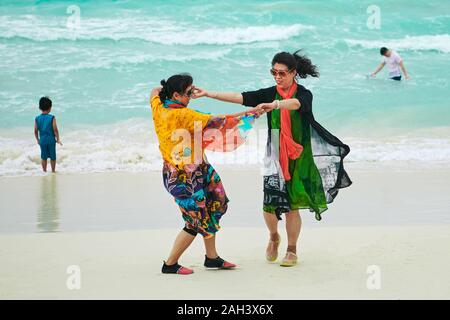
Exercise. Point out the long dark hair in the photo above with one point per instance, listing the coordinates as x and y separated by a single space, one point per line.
297 61
176 83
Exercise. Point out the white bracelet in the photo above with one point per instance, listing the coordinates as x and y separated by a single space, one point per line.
278 104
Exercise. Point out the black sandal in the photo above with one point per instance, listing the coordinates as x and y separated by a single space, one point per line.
218 263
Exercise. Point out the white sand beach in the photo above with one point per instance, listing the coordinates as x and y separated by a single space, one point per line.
119 227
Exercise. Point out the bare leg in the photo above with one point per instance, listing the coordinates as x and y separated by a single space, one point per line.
44 165
211 253
182 242
210 247
53 164
272 224
293 226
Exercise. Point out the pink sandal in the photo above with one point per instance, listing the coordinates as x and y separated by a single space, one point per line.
176 269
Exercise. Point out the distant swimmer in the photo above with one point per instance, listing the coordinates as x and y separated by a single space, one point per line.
394 62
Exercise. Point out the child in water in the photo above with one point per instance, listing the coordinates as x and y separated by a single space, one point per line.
46 133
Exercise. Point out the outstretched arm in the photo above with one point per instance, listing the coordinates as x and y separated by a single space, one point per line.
259 110
381 66
232 97
289 104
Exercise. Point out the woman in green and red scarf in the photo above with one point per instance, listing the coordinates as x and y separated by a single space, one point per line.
304 162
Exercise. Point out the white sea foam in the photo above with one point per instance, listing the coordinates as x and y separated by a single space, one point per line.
128 146
24 59
150 29
132 146
425 42
421 150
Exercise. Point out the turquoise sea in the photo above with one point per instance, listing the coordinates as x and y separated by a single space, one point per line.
98 61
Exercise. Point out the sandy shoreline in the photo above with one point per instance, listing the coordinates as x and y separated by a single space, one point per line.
130 201
118 227
413 264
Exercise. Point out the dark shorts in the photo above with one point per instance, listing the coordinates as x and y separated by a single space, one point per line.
398 78
48 150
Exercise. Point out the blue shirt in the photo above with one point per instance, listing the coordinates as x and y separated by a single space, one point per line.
44 124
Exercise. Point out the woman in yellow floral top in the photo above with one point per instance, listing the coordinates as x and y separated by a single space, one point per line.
183 136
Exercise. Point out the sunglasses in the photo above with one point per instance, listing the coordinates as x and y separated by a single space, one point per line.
190 92
281 73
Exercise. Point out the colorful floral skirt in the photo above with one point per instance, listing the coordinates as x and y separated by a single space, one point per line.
199 193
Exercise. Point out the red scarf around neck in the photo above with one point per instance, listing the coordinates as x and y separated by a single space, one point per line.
289 149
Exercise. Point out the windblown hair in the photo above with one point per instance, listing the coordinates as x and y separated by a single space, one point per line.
297 61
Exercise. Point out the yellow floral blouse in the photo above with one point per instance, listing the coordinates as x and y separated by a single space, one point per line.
175 130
